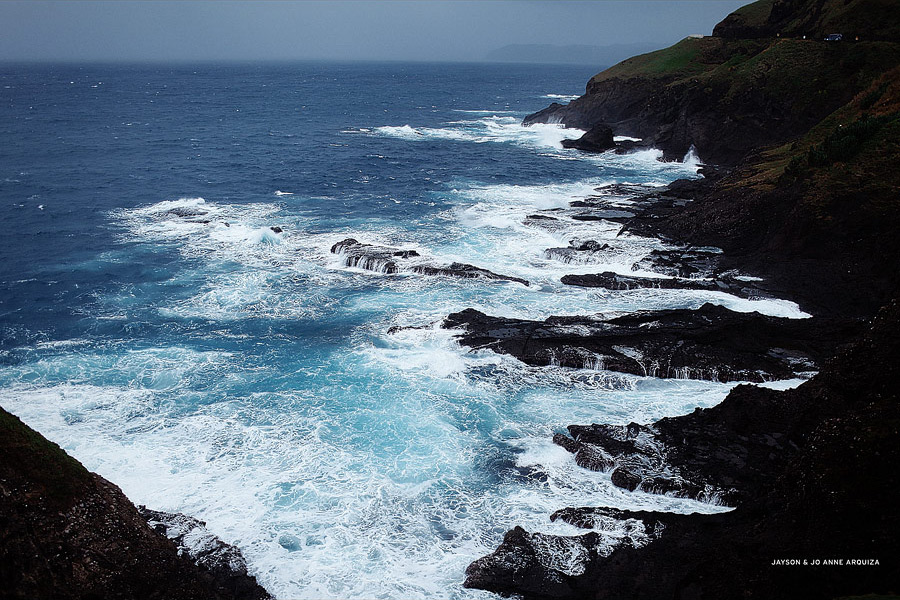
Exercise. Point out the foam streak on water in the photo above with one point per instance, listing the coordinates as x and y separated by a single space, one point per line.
193 339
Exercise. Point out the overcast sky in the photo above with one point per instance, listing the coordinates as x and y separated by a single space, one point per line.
285 30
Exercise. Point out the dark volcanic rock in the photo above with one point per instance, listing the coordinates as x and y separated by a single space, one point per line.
521 564
384 260
598 139
711 342
223 561
588 246
578 252
541 565
680 263
406 253
614 281
465 271
546 115
603 517
367 256
68 533
815 471
186 213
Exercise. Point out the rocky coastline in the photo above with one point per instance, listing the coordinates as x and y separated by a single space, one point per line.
805 199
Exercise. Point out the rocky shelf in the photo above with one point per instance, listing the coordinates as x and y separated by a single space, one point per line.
711 342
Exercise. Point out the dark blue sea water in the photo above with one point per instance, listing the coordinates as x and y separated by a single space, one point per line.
153 324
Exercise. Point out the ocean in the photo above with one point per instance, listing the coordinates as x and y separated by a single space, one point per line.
316 415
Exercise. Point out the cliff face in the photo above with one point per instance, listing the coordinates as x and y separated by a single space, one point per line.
68 533
816 216
741 88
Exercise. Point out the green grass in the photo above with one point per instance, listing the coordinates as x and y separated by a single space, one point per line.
26 455
681 60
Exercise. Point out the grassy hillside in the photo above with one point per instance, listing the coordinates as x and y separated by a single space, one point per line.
54 475
726 96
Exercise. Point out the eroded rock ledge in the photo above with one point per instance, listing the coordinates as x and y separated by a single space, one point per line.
711 342
384 259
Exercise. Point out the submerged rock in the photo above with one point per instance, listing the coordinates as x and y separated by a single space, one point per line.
578 252
186 213
465 271
690 262
615 281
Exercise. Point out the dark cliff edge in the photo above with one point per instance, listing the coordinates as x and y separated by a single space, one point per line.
808 131
742 87
816 216
68 533
812 468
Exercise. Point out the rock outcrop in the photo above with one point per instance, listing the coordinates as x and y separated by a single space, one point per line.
383 259
68 533
711 342
755 82
598 139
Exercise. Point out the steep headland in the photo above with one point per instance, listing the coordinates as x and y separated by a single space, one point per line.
742 87
68 533
808 131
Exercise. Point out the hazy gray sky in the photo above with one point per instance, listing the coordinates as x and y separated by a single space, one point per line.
279 30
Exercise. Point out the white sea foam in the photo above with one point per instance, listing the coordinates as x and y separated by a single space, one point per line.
567 97
492 128
294 479
691 159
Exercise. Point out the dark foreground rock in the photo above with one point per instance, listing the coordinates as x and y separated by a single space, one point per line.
223 561
384 259
817 468
68 533
711 342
